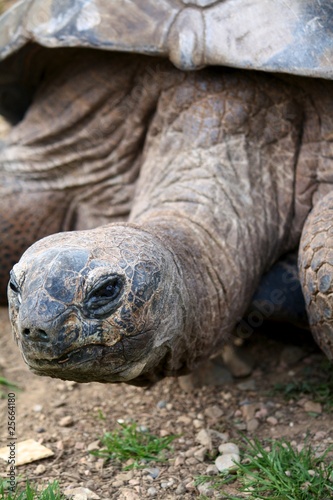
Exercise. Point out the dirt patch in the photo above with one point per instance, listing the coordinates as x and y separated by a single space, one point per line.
245 405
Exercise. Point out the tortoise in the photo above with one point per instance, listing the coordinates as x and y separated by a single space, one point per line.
164 158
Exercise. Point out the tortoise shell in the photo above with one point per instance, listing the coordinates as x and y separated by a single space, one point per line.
291 37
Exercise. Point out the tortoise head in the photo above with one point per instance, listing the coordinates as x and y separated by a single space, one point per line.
97 306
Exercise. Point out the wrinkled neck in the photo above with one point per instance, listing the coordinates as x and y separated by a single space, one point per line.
218 187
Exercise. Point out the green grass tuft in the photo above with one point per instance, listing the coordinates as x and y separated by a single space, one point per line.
129 442
30 492
280 474
6 383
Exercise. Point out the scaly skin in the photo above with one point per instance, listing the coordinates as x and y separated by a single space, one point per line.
316 271
226 182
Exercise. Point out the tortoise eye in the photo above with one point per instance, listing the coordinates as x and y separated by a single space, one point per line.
14 286
109 290
104 297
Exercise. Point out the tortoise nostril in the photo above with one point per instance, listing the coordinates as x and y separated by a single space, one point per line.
35 334
42 335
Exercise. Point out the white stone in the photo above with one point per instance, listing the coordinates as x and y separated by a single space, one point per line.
227 448
81 494
227 462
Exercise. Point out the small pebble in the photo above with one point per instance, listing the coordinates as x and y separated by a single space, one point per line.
179 461
79 445
81 493
152 492
248 410
40 469
161 404
252 425
205 489
183 419
204 438
153 472
227 462
200 454
237 361
214 412
181 489
190 486
220 436
319 436
117 484
248 385
133 482
305 486
241 426
190 452
191 461
143 428
93 446
38 408
261 414
312 407
212 470
226 396
197 423
66 421
125 476
227 448
272 421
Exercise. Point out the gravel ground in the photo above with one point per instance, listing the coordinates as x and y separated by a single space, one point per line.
66 417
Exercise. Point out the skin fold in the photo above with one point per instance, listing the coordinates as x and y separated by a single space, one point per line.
197 183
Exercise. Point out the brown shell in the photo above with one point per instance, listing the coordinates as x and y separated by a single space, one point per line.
292 36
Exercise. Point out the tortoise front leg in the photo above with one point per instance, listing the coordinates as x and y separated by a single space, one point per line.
316 271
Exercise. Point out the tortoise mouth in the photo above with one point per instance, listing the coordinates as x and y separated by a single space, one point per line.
88 363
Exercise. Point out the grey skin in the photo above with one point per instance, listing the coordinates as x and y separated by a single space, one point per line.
172 193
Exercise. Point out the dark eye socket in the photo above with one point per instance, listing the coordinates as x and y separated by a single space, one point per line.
13 287
13 284
104 298
108 291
